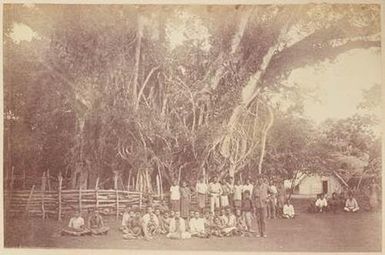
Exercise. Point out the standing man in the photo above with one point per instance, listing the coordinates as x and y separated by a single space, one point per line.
201 190
248 186
260 195
215 191
175 196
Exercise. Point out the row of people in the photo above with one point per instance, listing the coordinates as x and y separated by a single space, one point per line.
322 204
223 194
77 226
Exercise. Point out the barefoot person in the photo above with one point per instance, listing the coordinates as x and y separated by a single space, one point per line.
134 229
321 203
201 190
76 226
215 191
175 196
150 224
96 224
351 204
197 226
238 187
178 228
288 210
126 218
248 208
185 200
260 193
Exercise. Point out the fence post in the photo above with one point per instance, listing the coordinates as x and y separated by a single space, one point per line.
29 199
117 204
80 198
97 193
43 181
140 200
59 197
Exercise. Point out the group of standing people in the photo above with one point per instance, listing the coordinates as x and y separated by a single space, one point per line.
261 200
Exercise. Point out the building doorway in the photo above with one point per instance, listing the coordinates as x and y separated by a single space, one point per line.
325 187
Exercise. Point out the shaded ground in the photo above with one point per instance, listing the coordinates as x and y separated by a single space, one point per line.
309 232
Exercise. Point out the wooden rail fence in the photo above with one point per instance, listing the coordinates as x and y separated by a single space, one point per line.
60 203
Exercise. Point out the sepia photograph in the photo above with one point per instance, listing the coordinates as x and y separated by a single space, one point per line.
192 127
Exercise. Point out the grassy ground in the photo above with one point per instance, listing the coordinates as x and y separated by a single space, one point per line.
308 232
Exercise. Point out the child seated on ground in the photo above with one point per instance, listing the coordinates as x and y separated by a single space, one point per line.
164 222
217 227
223 216
76 226
197 226
96 224
351 204
134 229
288 210
178 228
230 224
321 203
150 224
241 227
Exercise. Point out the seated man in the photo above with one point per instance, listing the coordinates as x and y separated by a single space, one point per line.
334 203
351 204
128 215
217 227
230 225
321 203
96 224
288 210
76 226
150 223
134 229
197 226
178 228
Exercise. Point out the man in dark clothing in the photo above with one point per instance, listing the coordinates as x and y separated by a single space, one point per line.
260 195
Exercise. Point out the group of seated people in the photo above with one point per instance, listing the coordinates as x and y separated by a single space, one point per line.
77 227
170 223
322 204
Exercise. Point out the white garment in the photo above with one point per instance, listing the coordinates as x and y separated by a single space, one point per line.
231 221
288 210
197 225
321 202
248 187
175 192
238 192
76 222
125 219
215 189
273 190
201 188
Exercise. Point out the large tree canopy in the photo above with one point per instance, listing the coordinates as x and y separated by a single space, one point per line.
174 91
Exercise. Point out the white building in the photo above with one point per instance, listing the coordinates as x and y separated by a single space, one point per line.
313 184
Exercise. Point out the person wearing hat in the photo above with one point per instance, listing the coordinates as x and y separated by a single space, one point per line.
260 196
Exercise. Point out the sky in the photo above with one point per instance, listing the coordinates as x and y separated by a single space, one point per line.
339 85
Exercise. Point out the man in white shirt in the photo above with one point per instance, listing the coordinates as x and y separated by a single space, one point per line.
197 226
76 226
178 228
288 210
321 203
215 191
201 190
150 223
272 204
351 204
175 196
248 186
